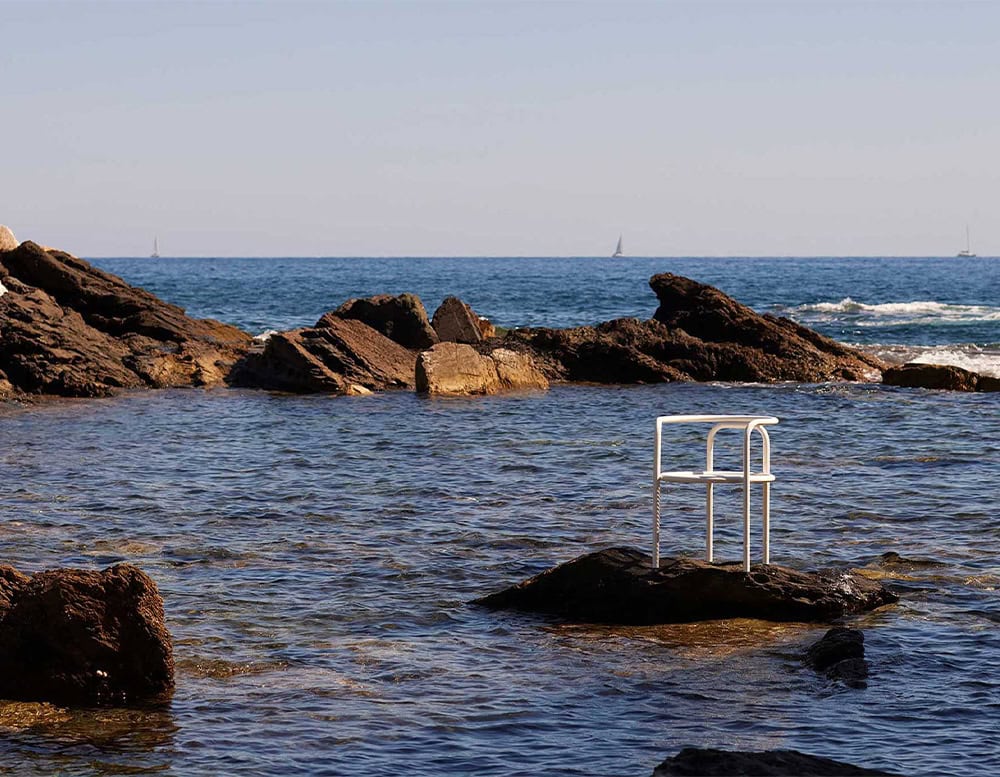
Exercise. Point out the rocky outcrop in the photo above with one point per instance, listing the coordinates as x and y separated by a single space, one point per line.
840 655
707 762
7 240
458 369
401 318
69 329
79 637
939 376
341 356
456 322
618 586
697 333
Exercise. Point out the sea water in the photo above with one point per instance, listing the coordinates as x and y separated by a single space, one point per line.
317 555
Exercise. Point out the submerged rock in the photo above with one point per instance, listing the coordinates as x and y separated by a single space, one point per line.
343 356
840 655
401 318
697 333
939 376
458 369
69 329
709 762
79 637
618 586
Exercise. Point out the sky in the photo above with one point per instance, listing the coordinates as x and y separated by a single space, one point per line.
501 128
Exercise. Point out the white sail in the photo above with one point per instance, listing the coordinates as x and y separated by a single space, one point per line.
156 249
618 248
967 251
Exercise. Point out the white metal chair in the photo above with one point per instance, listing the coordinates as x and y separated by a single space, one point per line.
710 476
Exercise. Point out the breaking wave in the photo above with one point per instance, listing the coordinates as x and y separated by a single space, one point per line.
984 360
917 312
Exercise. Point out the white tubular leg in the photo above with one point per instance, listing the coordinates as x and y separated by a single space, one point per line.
746 500
709 551
767 523
656 524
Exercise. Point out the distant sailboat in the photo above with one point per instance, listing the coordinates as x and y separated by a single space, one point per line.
156 249
967 251
618 248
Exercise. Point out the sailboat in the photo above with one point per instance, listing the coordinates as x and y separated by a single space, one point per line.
618 248
156 249
967 251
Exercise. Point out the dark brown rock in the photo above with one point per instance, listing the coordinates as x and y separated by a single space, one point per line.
618 586
70 329
401 318
931 376
79 637
456 322
840 655
708 762
345 356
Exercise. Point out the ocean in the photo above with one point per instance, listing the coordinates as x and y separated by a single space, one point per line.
317 554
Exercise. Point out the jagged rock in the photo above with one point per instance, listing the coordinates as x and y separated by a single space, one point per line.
7 240
458 369
456 322
618 586
401 318
939 376
840 655
708 762
344 356
79 637
697 333
70 329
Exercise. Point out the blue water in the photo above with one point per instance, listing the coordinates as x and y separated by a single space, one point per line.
317 555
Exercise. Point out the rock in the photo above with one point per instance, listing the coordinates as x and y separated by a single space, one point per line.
79 637
761 347
7 240
458 369
618 586
70 329
344 356
939 376
401 318
455 322
707 762
697 333
840 655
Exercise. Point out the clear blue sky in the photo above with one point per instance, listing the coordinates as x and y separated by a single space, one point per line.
508 128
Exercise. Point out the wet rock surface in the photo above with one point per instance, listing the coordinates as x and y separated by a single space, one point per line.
697 333
779 763
69 329
939 376
82 638
618 586
840 655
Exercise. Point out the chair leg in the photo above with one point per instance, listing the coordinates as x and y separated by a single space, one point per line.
656 524
746 527
767 522
709 551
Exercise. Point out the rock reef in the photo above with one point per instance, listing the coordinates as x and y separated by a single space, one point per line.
708 762
76 637
939 376
619 586
840 655
69 329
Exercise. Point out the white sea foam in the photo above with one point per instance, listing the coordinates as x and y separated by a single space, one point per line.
263 337
985 361
916 312
3 289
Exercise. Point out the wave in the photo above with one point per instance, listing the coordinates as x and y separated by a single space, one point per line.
984 360
916 312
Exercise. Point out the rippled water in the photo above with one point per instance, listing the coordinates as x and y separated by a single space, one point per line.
317 556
